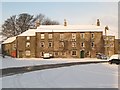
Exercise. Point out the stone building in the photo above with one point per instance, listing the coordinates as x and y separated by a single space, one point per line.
9 46
62 41
117 46
109 45
26 43
72 41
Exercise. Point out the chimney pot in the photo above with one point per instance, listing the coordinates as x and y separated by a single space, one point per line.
65 23
98 22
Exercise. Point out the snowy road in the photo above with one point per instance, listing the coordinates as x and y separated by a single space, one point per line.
19 70
9 62
79 76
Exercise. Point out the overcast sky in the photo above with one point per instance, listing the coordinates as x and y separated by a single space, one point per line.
74 12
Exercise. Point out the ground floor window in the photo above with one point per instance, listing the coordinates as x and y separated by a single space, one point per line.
27 52
42 54
88 53
63 53
56 53
50 44
74 53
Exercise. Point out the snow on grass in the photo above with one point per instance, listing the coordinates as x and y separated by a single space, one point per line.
19 62
79 76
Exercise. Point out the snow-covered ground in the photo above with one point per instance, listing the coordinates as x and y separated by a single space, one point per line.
79 76
19 62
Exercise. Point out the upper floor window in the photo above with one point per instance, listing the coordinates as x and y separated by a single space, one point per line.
50 36
92 44
82 44
74 36
28 38
14 46
42 36
28 44
61 36
82 35
50 44
73 44
92 35
61 44
42 44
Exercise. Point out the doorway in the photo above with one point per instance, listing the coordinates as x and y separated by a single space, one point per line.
82 54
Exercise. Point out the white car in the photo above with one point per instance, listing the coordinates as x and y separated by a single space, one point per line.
46 56
114 59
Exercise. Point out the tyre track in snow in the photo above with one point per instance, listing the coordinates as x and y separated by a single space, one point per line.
19 70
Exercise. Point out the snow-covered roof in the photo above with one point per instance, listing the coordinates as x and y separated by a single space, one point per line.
30 32
9 40
68 28
111 33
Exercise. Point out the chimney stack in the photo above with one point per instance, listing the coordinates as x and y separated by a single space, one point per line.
98 22
65 23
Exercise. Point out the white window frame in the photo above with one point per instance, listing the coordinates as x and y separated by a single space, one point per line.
28 37
61 36
92 44
82 35
73 44
92 35
42 44
83 44
73 53
27 44
74 36
42 36
50 36
14 46
27 53
49 44
61 44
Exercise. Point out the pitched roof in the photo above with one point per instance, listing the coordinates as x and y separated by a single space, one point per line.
30 32
9 40
69 28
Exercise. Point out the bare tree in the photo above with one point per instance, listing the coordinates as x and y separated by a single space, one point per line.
18 24
48 21
23 22
9 27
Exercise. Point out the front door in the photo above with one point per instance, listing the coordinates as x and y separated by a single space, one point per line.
82 54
